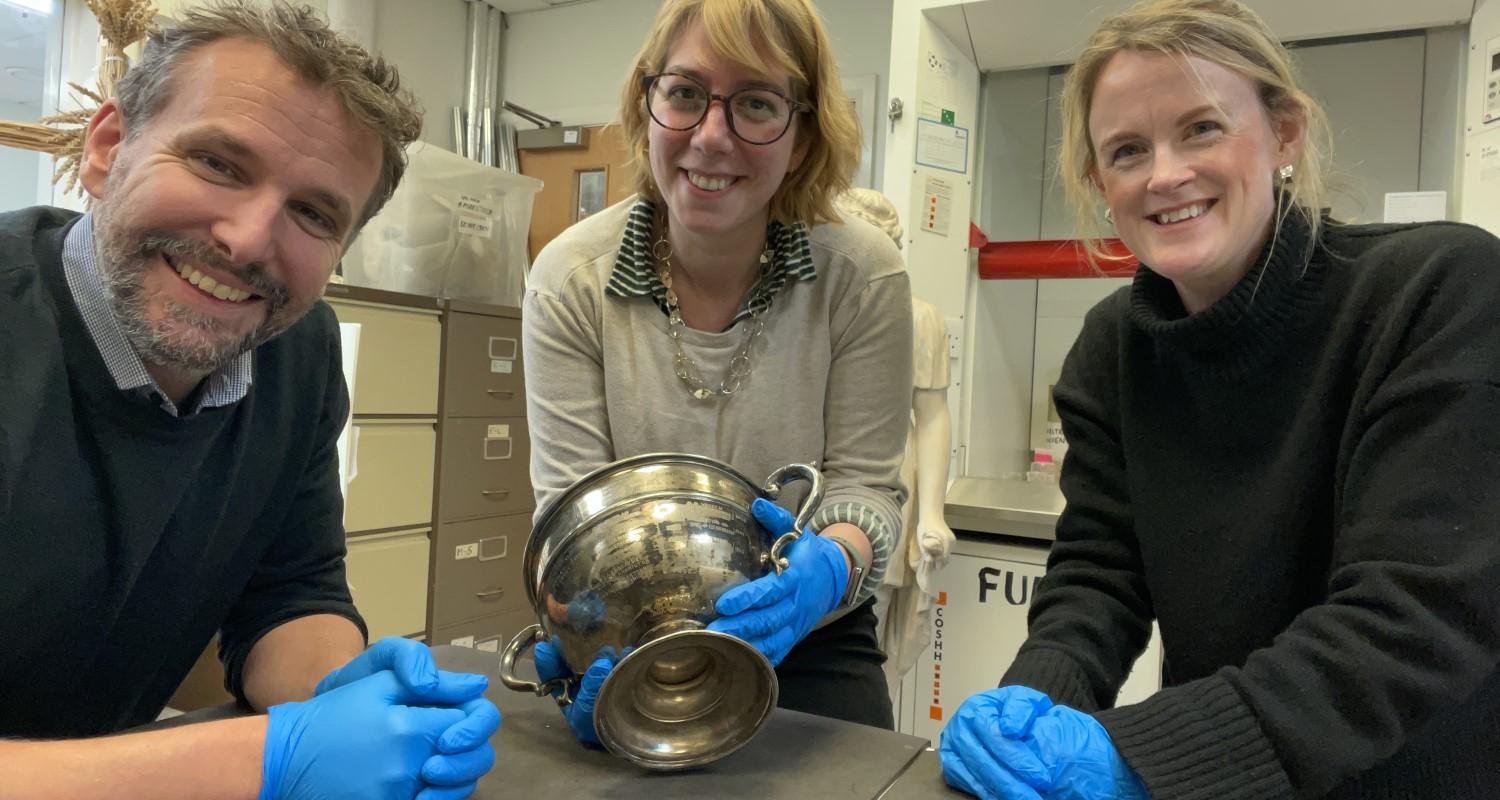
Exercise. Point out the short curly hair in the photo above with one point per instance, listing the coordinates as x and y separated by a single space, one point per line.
367 88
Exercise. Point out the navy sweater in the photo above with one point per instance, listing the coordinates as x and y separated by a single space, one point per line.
1301 484
129 537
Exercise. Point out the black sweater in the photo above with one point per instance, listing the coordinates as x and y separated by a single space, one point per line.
128 536
1302 485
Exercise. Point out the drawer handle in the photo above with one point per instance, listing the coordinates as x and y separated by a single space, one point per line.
495 492
489 594
499 393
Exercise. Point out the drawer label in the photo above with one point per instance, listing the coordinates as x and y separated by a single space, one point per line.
499 432
488 645
474 205
463 641
502 365
463 551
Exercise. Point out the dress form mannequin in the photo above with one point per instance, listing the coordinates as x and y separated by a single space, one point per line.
906 596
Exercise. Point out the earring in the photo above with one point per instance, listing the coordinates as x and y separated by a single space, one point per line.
1109 215
1285 173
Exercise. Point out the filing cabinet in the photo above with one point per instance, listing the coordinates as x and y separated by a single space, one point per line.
484 497
483 361
393 479
388 506
439 507
482 567
486 467
489 633
388 580
399 347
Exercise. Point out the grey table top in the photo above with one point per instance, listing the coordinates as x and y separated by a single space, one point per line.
923 780
796 755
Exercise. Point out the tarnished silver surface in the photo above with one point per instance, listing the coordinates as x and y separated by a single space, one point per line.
628 563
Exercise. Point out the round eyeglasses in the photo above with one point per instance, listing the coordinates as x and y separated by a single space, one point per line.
755 115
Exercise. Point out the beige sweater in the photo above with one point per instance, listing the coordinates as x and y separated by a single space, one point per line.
830 383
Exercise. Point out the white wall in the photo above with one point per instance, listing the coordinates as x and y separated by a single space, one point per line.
1480 200
21 168
568 63
426 41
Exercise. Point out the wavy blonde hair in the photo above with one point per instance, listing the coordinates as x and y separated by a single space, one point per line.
1226 33
792 34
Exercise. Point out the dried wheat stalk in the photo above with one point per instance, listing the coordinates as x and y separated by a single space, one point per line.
122 23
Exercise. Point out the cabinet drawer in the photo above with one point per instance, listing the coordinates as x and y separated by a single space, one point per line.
397 372
392 484
388 579
485 468
482 376
490 634
478 569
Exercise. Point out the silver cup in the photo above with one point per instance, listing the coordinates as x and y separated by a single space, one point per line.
629 562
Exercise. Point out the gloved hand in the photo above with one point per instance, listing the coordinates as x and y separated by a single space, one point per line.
579 713
363 740
1012 742
466 753
412 663
774 612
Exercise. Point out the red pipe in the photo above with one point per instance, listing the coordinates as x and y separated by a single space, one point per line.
1054 258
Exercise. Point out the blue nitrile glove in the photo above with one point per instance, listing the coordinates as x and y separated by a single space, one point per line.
773 612
1012 742
465 752
359 740
580 712
412 663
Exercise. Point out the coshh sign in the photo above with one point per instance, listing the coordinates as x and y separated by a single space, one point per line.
994 589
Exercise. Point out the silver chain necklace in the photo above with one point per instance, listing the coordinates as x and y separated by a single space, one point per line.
740 365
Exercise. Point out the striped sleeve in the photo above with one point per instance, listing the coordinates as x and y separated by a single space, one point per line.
877 529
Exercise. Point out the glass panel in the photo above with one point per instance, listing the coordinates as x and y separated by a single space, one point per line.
28 30
591 186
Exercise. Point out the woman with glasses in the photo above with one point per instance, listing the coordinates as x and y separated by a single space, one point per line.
727 310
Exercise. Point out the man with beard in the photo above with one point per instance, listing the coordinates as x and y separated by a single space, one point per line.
170 397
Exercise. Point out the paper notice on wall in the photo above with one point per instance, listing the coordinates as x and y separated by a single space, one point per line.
1489 165
937 206
942 146
349 340
1416 206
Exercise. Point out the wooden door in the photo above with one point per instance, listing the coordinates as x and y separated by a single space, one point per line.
575 179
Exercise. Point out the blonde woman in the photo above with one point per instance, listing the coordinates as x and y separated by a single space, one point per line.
1283 446
725 310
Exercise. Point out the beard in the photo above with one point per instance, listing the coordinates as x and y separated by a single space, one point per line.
179 337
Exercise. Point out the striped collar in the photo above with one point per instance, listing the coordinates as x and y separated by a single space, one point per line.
228 385
634 274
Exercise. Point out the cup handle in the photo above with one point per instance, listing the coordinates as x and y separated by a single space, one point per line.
772 490
527 638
